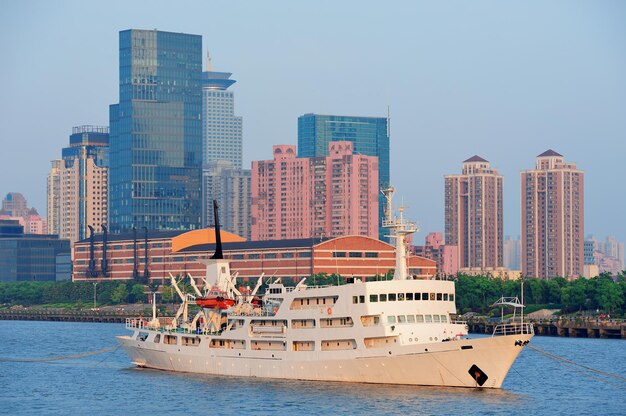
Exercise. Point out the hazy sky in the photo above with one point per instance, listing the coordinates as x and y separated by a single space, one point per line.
505 80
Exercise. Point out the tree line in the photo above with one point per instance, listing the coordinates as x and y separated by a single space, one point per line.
474 293
601 293
70 293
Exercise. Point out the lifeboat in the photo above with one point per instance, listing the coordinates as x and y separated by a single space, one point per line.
215 302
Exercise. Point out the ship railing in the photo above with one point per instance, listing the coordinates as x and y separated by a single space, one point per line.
136 323
456 322
296 288
142 323
515 328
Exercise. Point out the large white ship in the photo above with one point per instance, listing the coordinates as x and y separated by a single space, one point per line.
398 331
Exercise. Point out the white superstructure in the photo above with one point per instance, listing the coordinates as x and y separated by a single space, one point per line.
398 331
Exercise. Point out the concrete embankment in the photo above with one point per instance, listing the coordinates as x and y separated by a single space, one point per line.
575 328
42 314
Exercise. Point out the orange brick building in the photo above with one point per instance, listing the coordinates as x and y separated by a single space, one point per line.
179 253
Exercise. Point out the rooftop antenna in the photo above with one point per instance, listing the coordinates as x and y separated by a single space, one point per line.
209 63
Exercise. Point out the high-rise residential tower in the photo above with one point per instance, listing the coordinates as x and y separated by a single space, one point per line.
512 249
83 183
53 191
156 132
473 215
324 196
231 188
369 135
552 199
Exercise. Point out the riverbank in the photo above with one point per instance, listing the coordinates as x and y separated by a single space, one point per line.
110 314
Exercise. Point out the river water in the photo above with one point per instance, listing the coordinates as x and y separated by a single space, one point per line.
107 384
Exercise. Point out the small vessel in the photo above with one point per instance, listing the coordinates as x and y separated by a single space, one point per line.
399 331
213 301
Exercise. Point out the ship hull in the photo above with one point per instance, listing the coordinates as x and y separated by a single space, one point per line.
480 362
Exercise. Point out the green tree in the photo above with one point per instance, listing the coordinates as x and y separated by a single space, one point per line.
553 291
137 293
167 293
609 295
120 294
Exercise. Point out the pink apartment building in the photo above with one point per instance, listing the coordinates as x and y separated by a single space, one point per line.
473 215
445 256
552 218
330 196
15 207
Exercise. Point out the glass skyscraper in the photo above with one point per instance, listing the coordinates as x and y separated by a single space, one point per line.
221 129
155 137
223 178
370 136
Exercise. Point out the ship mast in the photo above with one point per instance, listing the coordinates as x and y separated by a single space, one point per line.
400 228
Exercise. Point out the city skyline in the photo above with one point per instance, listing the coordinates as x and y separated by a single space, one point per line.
505 81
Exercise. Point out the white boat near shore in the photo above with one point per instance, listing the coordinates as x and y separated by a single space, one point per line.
398 331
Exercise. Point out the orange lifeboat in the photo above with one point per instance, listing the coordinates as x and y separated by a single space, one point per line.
215 302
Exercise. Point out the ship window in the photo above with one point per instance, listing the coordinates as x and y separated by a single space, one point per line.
445 296
400 296
373 298
444 319
451 297
432 296
439 296
391 319
436 318
425 296
420 318
392 297
401 319
355 299
383 297
410 319
429 318
362 299
409 296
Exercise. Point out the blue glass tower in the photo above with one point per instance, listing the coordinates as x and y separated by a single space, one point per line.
370 136
155 137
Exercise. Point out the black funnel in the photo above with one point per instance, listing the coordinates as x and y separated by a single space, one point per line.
218 238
